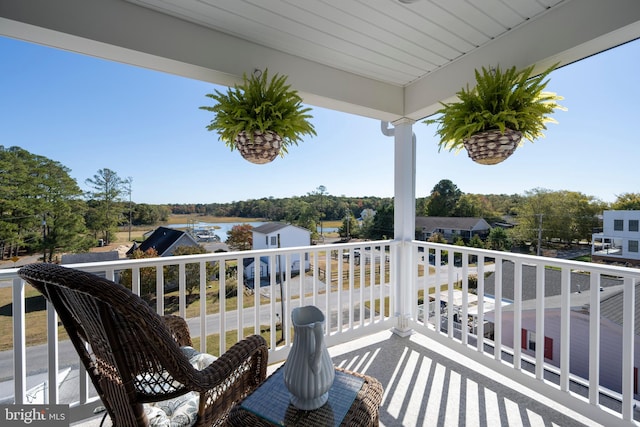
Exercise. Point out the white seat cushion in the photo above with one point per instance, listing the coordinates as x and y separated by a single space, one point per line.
181 411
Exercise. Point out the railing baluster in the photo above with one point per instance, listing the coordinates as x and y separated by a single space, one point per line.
362 269
327 281
480 295
594 339
628 335
182 287
52 394
19 342
203 306
438 289
464 318
240 294
497 340
340 287
159 290
135 280
222 306
540 315
517 316
272 304
565 332
450 307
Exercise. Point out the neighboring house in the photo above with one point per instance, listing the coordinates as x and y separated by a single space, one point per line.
451 227
90 257
611 299
165 241
619 240
275 235
82 258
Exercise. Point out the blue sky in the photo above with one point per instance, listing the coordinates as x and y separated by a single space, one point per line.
89 114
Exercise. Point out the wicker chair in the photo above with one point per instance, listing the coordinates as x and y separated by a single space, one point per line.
135 356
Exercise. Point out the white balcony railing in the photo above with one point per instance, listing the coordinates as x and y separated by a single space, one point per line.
346 281
480 301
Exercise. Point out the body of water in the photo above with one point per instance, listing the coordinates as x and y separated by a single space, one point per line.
221 228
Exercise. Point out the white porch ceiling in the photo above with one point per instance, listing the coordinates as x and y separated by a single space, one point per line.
379 58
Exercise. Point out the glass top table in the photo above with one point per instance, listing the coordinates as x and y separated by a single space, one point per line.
354 399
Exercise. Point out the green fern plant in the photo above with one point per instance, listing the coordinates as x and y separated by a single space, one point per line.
260 104
500 100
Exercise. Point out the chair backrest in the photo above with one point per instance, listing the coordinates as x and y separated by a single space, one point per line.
127 349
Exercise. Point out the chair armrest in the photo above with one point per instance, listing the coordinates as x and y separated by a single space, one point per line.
179 329
251 350
231 377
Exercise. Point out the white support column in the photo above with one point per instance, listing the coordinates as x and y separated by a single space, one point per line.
404 217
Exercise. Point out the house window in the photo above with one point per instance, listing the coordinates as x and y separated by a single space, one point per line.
633 225
274 241
618 225
633 246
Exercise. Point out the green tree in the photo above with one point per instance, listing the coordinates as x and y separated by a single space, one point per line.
627 202
467 206
145 214
319 196
443 199
498 239
350 227
381 226
476 242
40 204
240 237
192 270
147 274
561 215
108 189
302 214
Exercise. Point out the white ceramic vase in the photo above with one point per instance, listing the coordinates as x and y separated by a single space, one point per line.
309 371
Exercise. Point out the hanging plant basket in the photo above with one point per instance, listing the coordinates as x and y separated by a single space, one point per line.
261 117
262 148
492 119
492 147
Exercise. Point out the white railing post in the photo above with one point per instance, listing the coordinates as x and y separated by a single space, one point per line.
628 341
19 343
52 355
404 217
594 339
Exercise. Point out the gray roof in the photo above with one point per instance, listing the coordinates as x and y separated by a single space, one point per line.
452 223
162 239
271 227
552 282
611 308
90 257
611 297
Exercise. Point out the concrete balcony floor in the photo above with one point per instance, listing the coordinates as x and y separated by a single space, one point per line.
426 383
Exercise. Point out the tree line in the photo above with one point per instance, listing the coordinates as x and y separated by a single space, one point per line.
43 209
